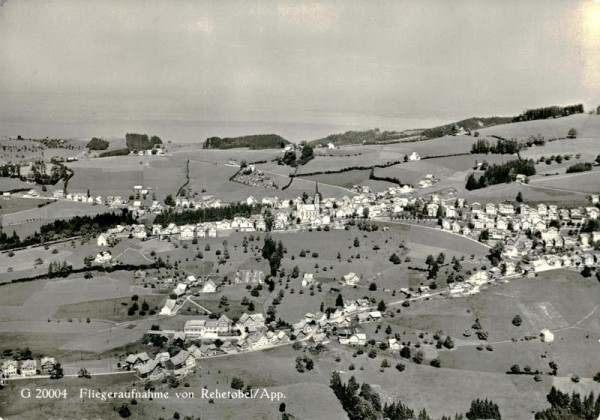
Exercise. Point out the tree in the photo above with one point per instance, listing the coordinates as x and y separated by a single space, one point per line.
381 306
586 272
372 287
483 409
405 352
519 197
339 301
97 144
472 183
435 362
169 201
306 154
572 133
418 357
237 383
441 258
282 408
517 321
57 371
448 342
429 260
124 411
356 242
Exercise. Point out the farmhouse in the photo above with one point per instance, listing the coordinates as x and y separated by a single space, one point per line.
307 279
394 344
180 289
209 287
9 368
102 240
134 360
28 367
181 360
546 336
358 339
351 279
169 308
47 364
151 369
251 322
414 156
103 257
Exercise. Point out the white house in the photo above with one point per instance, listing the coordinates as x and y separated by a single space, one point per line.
9 368
414 156
103 257
546 336
28 367
169 308
351 279
209 287
308 279
102 239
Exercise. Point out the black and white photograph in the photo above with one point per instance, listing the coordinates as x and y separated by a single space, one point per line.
300 210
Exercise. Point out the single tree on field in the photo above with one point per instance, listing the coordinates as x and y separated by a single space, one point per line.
519 197
572 133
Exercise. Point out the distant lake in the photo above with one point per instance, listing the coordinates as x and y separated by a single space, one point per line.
77 116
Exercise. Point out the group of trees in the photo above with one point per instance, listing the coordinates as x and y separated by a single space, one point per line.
361 402
502 147
60 229
40 176
206 214
483 409
500 173
307 153
469 124
253 142
10 170
360 137
97 144
565 406
58 269
579 167
549 112
433 264
136 141
273 252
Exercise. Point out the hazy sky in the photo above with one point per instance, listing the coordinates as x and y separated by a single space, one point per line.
350 62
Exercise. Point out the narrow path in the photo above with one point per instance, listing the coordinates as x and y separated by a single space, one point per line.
198 305
134 250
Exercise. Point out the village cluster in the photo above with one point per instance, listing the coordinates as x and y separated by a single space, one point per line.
208 337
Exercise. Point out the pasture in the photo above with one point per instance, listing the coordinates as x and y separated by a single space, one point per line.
62 209
584 182
18 204
9 184
588 126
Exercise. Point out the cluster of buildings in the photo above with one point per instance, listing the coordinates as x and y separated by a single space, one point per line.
13 368
255 178
183 289
546 235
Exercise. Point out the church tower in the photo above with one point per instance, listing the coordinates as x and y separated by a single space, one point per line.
317 196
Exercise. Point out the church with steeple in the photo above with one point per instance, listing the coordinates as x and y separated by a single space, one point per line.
309 212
